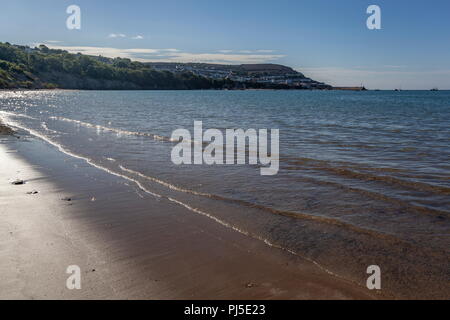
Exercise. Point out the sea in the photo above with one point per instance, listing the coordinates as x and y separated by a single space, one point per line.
364 177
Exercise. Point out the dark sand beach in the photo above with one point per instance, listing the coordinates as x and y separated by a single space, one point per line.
128 244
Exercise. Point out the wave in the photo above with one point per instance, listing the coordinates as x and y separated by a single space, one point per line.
154 136
286 213
315 162
343 170
46 128
413 185
14 124
20 115
351 171
290 214
115 130
377 196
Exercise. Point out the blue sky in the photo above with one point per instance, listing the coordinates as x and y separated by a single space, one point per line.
325 39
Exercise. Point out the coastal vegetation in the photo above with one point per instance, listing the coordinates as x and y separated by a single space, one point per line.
45 68
41 67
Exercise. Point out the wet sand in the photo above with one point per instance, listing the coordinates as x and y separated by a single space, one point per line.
130 245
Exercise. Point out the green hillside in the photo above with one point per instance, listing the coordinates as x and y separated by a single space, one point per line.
45 68
41 67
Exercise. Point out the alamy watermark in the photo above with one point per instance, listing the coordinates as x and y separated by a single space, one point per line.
74 280
374 280
73 22
212 148
374 20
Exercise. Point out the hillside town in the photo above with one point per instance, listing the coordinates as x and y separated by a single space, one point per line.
264 74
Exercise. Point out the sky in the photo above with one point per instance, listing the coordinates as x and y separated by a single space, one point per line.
327 40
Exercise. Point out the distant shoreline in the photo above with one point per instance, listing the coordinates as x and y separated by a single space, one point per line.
250 89
46 68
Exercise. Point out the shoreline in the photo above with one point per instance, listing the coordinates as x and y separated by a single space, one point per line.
319 90
130 245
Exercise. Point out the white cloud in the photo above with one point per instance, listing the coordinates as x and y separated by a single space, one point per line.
121 35
222 57
256 51
247 51
265 51
116 35
169 55
138 51
393 66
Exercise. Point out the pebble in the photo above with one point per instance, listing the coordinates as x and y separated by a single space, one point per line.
17 182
